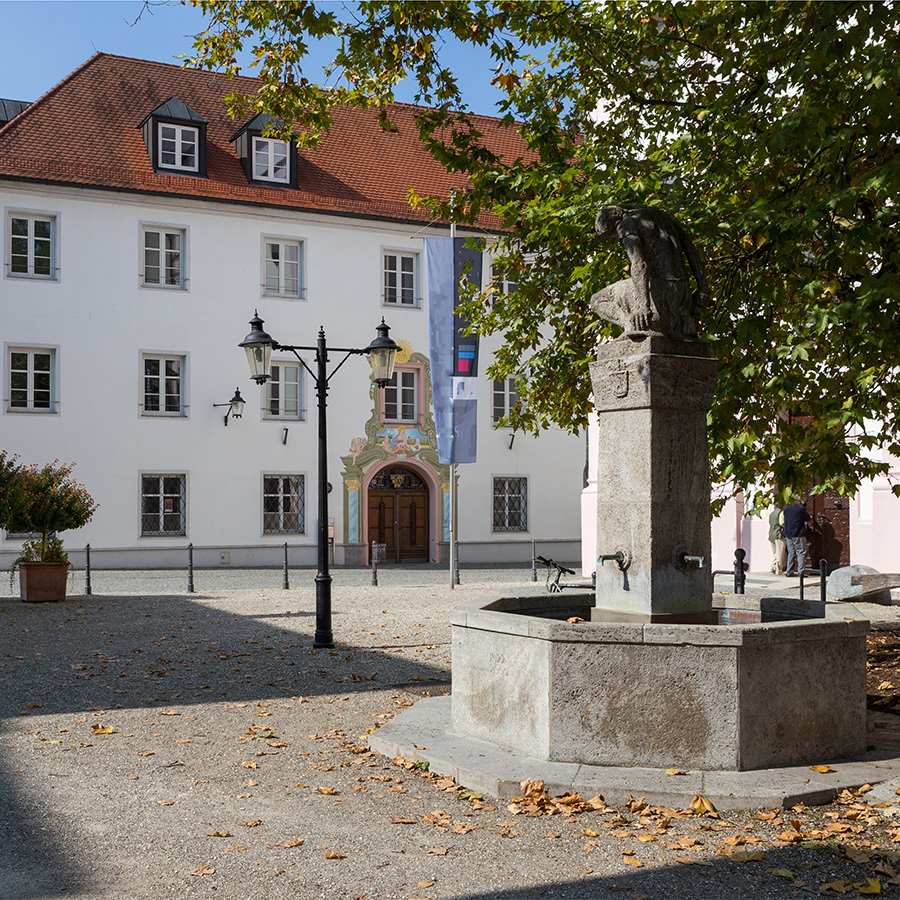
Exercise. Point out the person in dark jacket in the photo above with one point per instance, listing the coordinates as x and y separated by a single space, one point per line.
795 519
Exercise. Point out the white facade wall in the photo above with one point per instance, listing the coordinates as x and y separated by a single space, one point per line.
99 320
874 524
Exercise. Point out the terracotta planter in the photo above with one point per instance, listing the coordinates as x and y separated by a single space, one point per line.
43 582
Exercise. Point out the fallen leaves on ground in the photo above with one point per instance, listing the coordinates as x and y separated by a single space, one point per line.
535 801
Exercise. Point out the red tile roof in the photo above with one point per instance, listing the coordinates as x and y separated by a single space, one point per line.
85 132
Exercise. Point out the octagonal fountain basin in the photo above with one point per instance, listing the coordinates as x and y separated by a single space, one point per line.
758 684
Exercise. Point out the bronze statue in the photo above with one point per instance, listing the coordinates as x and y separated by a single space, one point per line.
658 298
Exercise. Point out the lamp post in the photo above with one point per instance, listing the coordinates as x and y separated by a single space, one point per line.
383 352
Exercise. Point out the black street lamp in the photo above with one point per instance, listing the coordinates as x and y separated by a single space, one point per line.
235 406
383 352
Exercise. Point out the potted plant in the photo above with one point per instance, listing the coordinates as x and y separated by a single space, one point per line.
42 501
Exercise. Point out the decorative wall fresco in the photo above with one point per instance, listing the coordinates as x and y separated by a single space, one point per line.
392 442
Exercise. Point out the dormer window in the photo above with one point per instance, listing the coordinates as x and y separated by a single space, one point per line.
266 160
178 147
175 136
270 160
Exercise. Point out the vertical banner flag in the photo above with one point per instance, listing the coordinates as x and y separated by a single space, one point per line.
454 355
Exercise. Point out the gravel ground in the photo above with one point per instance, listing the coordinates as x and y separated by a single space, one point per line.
159 744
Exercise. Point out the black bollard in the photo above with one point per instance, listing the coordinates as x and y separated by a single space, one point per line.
823 577
374 565
87 569
533 562
740 576
284 582
190 589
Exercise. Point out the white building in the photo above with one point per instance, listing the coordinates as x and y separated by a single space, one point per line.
142 228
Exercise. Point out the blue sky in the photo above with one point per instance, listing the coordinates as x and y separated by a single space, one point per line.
44 40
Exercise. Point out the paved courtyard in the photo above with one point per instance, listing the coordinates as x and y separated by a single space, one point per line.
156 744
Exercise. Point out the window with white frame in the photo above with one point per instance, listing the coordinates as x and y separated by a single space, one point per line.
510 507
283 504
401 396
163 257
271 160
32 245
163 385
506 398
283 268
163 505
284 392
178 147
401 286
31 380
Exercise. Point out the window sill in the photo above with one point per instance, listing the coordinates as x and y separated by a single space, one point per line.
394 304
177 170
31 412
31 276
273 296
163 287
163 415
271 418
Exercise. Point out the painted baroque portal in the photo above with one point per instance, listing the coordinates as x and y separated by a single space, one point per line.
397 465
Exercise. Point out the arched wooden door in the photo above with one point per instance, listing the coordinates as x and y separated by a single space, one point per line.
398 514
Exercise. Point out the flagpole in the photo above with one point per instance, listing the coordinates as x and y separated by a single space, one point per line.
453 464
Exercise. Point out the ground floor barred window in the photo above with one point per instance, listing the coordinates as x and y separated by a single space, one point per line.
510 504
283 504
163 505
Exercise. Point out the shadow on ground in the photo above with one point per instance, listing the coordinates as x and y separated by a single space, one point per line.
102 653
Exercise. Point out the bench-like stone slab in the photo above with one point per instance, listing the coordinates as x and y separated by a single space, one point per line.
862 583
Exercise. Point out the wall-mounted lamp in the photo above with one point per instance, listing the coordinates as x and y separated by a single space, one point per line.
235 406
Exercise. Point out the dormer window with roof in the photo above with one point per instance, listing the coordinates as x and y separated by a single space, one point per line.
265 159
175 136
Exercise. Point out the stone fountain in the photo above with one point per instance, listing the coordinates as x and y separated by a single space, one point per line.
605 691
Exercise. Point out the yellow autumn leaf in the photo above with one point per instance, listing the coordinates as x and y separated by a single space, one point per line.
248 765
822 770
166 802
588 832
332 855
326 790
633 861
746 856
218 834
869 886
675 772
204 869
701 806
839 887
97 728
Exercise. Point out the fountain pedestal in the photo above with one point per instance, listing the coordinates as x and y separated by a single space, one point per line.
652 397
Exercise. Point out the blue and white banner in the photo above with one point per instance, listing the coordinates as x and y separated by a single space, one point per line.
454 355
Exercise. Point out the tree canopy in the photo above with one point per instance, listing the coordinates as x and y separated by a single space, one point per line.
770 130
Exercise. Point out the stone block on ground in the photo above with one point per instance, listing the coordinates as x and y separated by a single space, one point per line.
862 583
